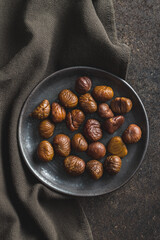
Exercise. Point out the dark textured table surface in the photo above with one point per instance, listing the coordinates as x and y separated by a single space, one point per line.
133 211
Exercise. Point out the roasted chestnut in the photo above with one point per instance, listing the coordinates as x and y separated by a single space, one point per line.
79 143
68 98
132 134
92 130
87 103
95 169
83 85
112 164
62 145
46 128
102 93
74 119
58 112
42 111
104 111
45 151
74 165
121 105
113 124
117 147
96 150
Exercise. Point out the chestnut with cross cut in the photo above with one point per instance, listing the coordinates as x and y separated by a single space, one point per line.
74 119
121 105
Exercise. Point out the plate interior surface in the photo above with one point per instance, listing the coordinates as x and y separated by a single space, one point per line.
53 174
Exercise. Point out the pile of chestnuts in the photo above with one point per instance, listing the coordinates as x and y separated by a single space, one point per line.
92 130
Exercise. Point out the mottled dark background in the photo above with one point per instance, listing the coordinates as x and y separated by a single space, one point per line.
133 211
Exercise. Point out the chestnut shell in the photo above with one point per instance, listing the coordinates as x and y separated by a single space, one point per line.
68 98
42 111
74 119
102 93
58 112
46 128
79 143
74 165
87 103
83 85
92 130
62 145
112 164
95 169
121 105
132 134
104 111
117 147
45 151
113 124
96 150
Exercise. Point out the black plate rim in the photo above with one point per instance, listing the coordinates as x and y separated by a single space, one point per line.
47 183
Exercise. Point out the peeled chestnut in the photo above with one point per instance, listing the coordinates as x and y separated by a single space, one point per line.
102 93
83 85
112 164
42 111
96 150
68 98
113 124
121 105
58 112
74 119
74 165
92 130
79 143
132 134
95 169
62 145
104 111
45 151
117 147
46 128
87 103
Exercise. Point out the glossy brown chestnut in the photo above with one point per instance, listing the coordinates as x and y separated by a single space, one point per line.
79 143
46 128
112 164
74 119
87 103
121 105
83 85
104 111
92 130
42 111
62 145
95 169
102 93
45 151
96 150
68 98
58 113
132 134
113 124
117 147
74 165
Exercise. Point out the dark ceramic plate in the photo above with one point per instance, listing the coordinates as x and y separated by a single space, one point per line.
53 174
